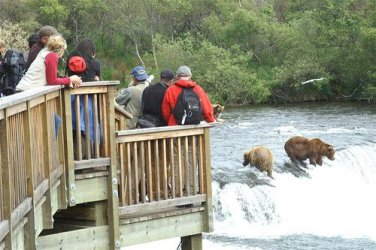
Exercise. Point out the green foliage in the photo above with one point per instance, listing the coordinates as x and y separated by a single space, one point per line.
13 36
241 52
49 12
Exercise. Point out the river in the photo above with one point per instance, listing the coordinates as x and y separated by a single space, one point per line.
325 207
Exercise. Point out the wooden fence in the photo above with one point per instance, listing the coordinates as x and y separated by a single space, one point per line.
163 167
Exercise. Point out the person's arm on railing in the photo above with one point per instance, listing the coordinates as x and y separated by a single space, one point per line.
51 73
124 96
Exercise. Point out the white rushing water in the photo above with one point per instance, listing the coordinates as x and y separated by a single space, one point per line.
336 199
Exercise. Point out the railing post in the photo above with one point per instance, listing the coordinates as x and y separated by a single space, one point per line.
69 154
208 221
191 242
6 168
30 232
63 203
47 211
113 195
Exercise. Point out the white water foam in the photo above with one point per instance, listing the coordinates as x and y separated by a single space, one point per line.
337 200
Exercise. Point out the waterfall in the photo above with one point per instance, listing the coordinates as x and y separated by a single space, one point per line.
336 199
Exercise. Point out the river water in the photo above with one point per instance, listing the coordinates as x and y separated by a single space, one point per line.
325 207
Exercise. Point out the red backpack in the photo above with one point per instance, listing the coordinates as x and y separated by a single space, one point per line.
77 64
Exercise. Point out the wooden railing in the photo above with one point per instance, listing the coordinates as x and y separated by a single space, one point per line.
32 162
163 167
58 149
90 150
89 112
121 118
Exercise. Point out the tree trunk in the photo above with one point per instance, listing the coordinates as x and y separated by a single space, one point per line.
154 54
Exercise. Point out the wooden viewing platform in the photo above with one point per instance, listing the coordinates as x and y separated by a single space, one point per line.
105 188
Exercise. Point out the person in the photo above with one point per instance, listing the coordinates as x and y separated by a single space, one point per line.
130 97
31 40
44 34
81 61
170 99
2 52
43 71
89 70
151 103
152 97
2 49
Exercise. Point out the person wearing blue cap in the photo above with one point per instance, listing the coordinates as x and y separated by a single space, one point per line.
130 98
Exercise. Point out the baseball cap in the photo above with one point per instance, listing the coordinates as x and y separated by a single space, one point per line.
139 73
167 74
184 71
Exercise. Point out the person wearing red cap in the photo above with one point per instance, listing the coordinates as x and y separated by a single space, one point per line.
82 62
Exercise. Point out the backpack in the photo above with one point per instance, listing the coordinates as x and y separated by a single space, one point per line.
13 69
188 108
77 64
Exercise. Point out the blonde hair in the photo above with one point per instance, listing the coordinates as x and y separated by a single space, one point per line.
56 43
2 43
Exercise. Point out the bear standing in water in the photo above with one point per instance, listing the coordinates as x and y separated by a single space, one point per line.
299 148
260 157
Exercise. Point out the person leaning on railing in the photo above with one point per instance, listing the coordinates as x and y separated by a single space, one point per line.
43 35
130 98
82 62
44 69
170 100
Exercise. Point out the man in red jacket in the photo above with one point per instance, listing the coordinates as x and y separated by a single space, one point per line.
171 97
183 182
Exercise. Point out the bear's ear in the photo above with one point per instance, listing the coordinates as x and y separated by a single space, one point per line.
330 147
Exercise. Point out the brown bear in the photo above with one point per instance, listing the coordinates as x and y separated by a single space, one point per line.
299 148
260 157
217 110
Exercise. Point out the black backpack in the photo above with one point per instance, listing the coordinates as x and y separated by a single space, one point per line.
13 68
188 108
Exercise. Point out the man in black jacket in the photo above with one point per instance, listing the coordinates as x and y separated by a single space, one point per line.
152 98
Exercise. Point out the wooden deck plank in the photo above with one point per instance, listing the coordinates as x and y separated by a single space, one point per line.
162 204
161 228
88 238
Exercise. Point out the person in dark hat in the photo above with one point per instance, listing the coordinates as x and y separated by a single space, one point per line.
43 35
152 98
31 40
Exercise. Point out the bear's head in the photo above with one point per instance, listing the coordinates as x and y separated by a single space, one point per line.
329 152
246 159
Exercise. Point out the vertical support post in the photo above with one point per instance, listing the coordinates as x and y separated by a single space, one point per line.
30 226
208 219
69 154
47 208
191 242
112 187
63 202
6 174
